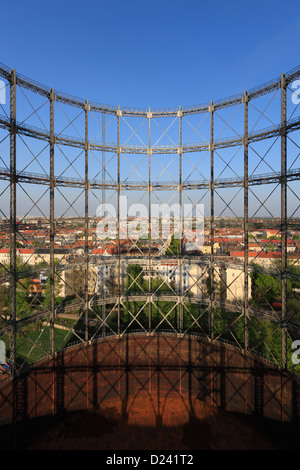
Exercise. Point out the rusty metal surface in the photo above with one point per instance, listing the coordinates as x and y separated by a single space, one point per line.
147 380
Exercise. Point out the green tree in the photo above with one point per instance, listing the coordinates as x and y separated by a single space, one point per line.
57 287
174 247
134 280
23 305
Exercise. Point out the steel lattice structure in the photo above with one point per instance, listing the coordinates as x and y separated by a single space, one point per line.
231 155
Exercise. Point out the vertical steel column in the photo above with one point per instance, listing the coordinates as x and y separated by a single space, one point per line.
13 247
180 222
246 224
119 114
149 224
52 224
13 222
103 205
283 224
86 220
212 223
103 157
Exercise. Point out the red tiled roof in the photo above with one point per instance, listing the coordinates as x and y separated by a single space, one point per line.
25 251
254 254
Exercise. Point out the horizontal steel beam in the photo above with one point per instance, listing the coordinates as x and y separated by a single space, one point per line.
253 93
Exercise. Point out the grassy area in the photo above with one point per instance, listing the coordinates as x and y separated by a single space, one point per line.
29 352
42 338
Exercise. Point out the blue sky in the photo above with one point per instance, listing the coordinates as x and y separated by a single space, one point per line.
157 53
